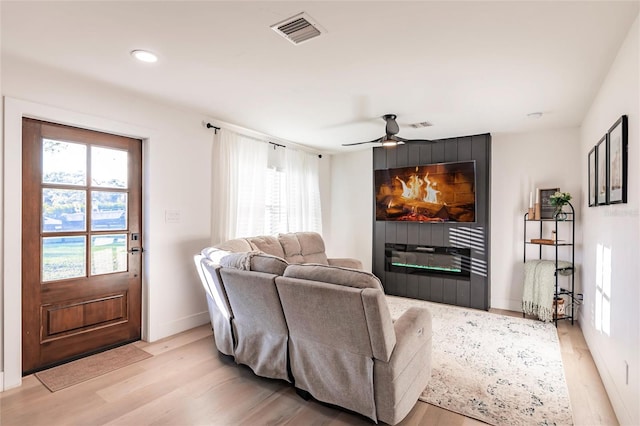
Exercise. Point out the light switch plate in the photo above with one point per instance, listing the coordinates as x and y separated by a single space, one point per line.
172 216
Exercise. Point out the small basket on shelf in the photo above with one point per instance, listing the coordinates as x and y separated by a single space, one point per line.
558 308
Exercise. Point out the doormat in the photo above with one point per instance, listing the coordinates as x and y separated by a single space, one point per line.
504 371
84 369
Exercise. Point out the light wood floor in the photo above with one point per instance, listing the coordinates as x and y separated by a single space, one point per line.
188 383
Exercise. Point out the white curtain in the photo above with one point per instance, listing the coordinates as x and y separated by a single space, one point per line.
238 179
303 191
258 192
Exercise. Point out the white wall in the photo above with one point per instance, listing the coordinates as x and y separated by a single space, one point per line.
177 163
1 221
520 163
350 230
177 158
616 228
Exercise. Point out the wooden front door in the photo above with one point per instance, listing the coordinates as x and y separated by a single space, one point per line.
81 242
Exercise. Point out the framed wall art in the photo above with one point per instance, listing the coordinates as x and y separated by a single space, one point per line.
593 181
617 161
602 176
546 208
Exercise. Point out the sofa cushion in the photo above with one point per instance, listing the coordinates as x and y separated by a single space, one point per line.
334 275
255 261
266 244
303 247
235 245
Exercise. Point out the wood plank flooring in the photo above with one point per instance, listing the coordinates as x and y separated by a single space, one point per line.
188 383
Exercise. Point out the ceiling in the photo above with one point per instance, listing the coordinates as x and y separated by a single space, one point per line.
466 67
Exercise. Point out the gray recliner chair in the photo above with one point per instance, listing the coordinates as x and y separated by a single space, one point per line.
260 331
344 348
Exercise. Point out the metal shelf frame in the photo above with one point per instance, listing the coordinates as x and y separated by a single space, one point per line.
558 290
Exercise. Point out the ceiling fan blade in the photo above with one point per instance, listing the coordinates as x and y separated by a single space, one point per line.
362 143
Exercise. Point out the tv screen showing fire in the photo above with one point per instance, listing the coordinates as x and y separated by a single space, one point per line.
443 192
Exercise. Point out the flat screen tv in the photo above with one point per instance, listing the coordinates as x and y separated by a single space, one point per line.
444 192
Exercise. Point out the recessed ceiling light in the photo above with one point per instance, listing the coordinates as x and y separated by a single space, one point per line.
534 115
144 56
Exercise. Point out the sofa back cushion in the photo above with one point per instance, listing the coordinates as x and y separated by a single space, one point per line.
303 247
266 244
235 245
334 275
255 261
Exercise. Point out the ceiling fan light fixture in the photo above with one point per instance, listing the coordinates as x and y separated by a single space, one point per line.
391 142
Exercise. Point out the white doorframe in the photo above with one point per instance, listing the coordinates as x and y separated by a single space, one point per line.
14 111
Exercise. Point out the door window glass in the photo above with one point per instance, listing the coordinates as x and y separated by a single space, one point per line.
64 162
63 258
63 210
108 210
108 253
108 167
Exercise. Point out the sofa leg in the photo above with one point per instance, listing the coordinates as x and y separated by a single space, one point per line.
303 394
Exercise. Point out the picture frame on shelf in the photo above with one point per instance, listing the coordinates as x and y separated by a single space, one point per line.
602 178
593 177
617 162
546 208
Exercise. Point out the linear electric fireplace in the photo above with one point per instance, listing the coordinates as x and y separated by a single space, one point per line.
428 260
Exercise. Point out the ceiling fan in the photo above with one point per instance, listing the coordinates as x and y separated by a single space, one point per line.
390 138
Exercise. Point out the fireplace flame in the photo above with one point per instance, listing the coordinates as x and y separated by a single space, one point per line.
421 189
432 192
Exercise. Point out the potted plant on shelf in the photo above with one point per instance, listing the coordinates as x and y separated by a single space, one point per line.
559 200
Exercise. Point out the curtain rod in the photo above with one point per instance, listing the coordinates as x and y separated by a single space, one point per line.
215 131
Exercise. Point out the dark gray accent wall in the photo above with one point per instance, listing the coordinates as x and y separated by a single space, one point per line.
475 292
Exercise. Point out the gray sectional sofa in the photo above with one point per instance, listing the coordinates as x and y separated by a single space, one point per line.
281 307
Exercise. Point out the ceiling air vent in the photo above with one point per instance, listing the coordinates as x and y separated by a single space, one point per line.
299 28
421 125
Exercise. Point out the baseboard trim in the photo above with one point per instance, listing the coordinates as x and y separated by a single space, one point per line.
617 402
507 304
182 324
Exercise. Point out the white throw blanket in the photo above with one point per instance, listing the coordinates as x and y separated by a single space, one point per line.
539 287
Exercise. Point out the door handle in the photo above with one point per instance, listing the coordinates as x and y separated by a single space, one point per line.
136 250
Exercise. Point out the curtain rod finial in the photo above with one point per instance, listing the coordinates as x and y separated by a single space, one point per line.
211 126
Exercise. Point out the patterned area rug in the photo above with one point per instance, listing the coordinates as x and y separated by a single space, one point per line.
498 369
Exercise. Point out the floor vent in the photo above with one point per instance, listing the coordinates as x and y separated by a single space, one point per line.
298 29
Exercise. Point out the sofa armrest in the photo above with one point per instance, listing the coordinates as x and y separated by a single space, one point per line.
413 331
346 263
399 382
